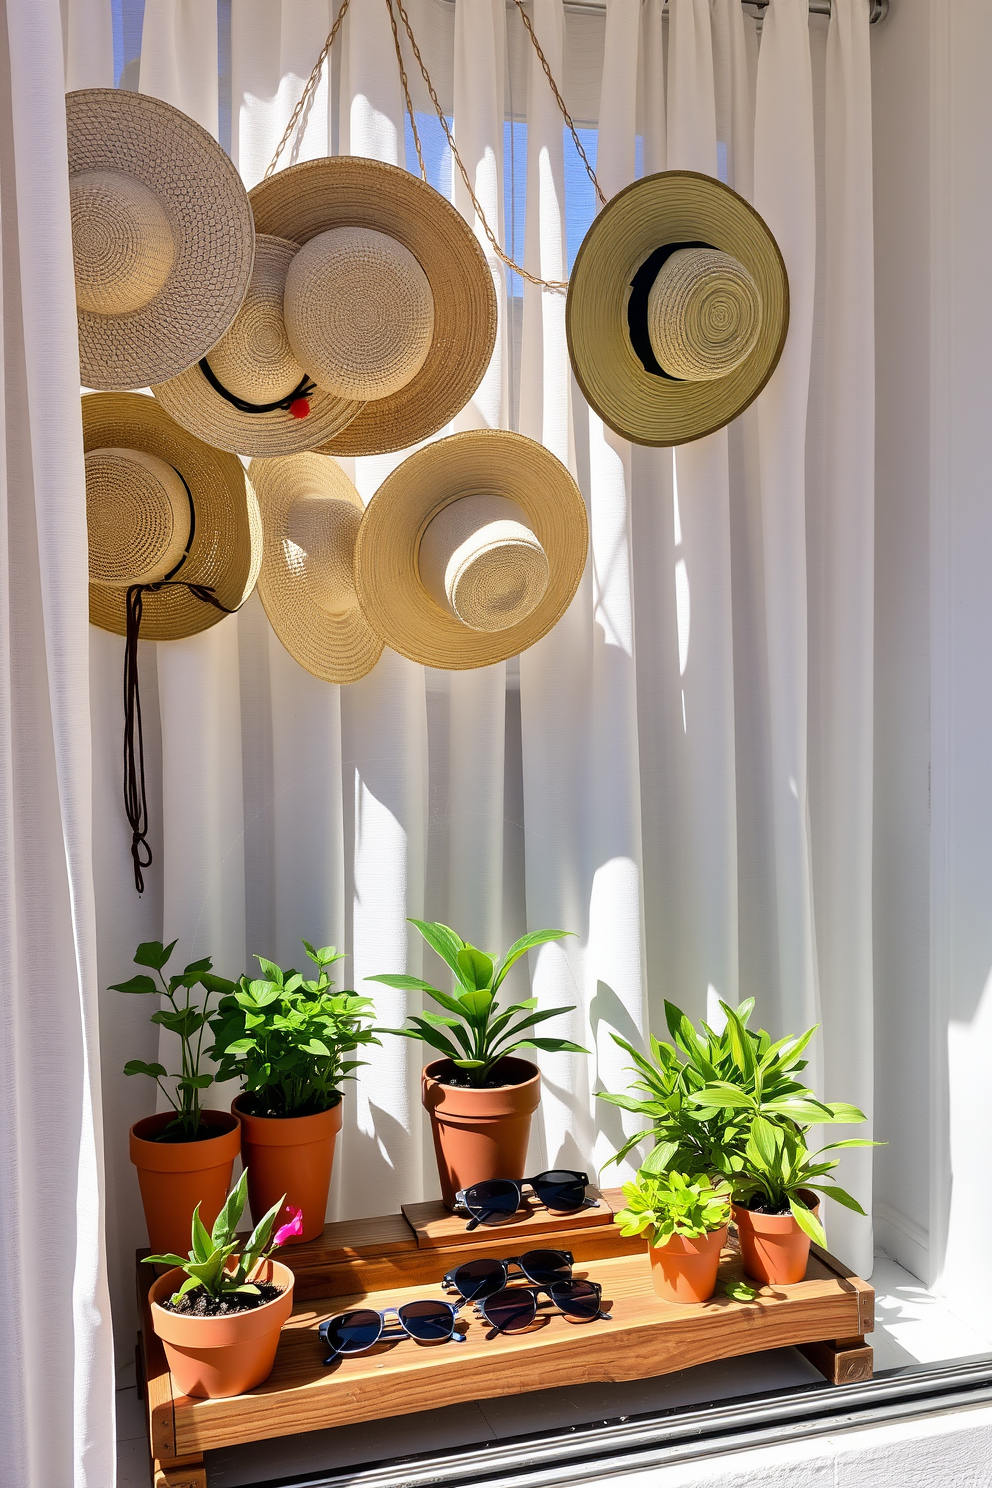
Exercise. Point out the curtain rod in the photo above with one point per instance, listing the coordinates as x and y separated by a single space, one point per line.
877 9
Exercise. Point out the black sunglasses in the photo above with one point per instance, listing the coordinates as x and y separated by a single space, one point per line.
498 1198
361 1329
515 1308
482 1278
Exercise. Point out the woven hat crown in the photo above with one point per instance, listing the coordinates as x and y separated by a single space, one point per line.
703 313
123 245
319 546
254 359
359 312
137 517
480 560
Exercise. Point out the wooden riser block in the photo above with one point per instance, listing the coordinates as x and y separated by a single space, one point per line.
842 1361
189 1474
646 1337
436 1228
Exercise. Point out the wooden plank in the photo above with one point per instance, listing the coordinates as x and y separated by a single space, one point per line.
188 1473
155 1373
348 1239
843 1361
865 1290
646 1337
437 1228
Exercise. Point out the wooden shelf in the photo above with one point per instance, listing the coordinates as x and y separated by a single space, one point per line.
377 1263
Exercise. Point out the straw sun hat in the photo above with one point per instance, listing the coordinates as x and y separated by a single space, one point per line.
250 394
310 518
389 300
162 237
471 550
677 309
164 508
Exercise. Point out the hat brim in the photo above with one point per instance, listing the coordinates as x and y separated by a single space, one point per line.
336 648
671 207
192 402
350 191
203 196
486 461
226 552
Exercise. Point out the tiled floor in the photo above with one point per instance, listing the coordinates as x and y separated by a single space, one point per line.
912 1327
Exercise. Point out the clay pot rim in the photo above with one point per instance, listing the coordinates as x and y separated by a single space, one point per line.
694 1245
289 1131
774 1223
187 1157
430 1073
176 1329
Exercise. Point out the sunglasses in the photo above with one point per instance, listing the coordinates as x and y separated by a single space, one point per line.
361 1329
498 1198
514 1308
482 1278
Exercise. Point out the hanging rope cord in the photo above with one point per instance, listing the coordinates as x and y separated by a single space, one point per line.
556 286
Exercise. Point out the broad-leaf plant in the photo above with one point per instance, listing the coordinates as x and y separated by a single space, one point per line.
475 1031
210 1253
286 1037
186 1019
666 1204
778 1167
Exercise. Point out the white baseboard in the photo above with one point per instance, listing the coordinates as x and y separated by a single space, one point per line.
902 1238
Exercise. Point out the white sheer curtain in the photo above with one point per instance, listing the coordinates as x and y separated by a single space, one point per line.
56 1366
681 772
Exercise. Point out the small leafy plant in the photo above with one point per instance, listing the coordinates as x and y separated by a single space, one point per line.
285 1038
703 1092
186 1019
207 1265
663 1205
778 1166
474 1031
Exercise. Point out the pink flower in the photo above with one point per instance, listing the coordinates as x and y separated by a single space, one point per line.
287 1231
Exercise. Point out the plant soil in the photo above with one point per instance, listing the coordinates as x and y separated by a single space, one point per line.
758 1204
256 1105
175 1133
462 1082
199 1303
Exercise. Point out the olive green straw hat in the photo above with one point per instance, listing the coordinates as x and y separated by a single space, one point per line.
677 309
162 237
471 550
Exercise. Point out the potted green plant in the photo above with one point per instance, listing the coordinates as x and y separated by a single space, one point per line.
685 1220
184 1156
775 1208
219 1312
286 1039
479 1096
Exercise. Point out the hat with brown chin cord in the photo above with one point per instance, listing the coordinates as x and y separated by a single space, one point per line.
249 394
471 550
389 301
175 544
677 308
310 518
162 237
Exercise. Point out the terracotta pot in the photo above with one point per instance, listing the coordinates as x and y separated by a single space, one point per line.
685 1270
290 1155
176 1176
480 1134
216 1357
774 1249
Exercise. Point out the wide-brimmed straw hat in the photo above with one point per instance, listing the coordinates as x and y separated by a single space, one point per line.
310 518
250 394
389 301
162 237
163 508
471 550
677 309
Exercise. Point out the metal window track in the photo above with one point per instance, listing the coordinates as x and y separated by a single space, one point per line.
877 9
589 1453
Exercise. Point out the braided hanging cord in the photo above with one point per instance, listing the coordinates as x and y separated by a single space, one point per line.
556 286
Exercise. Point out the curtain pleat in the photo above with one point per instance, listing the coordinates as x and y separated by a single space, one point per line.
56 1366
274 44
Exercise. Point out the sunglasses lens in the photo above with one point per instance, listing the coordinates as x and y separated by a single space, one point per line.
430 1322
560 1190
351 1332
511 1310
479 1278
546 1266
579 1299
495 1196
